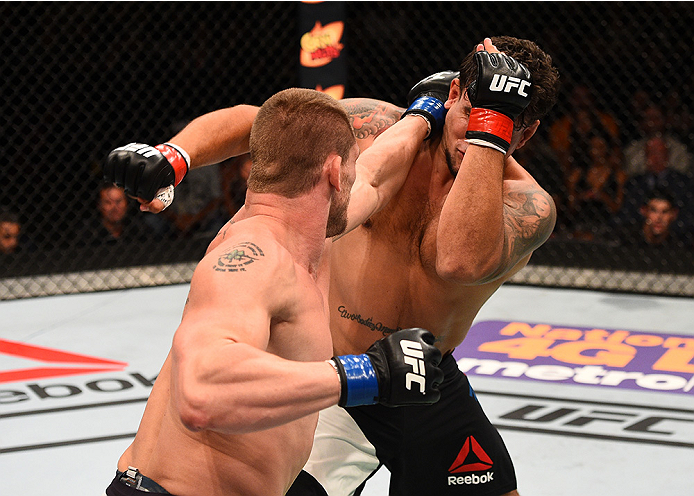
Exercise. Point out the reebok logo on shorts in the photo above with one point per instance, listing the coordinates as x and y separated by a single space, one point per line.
471 458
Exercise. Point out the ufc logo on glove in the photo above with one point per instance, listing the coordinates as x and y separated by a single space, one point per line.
504 83
414 357
404 358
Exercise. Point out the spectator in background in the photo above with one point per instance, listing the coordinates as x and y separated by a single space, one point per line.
595 193
234 175
10 231
653 128
114 223
196 207
570 134
631 128
679 119
658 215
658 174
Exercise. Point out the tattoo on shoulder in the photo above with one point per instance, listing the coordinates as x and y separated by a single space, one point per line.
529 217
226 227
239 257
370 117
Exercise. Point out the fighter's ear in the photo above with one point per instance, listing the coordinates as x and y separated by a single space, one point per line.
527 133
453 93
333 166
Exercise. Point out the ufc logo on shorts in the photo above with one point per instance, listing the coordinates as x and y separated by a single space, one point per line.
507 83
414 358
144 150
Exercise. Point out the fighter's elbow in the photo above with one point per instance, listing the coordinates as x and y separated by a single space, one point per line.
465 271
194 412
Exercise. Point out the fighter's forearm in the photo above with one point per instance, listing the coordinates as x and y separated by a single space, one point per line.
218 135
383 168
243 389
389 159
471 231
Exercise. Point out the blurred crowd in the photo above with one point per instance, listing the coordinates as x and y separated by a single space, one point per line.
615 185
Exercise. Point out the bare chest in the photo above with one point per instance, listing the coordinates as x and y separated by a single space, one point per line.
302 332
384 279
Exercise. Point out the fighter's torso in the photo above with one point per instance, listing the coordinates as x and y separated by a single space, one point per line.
257 463
383 274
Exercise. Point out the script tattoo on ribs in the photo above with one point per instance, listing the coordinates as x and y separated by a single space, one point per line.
239 257
367 322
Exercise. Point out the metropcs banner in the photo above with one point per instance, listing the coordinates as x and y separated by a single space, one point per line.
578 355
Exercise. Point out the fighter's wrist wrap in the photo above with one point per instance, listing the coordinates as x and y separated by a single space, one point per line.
431 109
178 158
489 128
358 381
425 120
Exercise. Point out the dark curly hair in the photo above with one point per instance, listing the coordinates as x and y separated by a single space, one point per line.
545 75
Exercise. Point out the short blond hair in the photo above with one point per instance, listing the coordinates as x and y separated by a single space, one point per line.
293 133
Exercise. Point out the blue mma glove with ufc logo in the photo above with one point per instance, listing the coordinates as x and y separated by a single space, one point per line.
401 369
426 99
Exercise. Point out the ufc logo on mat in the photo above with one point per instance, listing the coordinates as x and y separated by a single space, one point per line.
414 358
507 83
144 150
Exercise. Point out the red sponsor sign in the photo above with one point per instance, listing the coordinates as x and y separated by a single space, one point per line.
62 363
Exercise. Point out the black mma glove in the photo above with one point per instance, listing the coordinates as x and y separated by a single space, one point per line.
401 369
426 98
500 93
142 170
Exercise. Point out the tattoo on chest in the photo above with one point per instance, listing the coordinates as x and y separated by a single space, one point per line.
366 322
239 257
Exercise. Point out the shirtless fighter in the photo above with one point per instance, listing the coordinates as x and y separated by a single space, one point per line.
234 408
466 219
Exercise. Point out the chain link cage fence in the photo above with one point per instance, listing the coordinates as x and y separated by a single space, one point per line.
79 79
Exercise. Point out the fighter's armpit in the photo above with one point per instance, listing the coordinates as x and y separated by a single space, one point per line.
239 257
371 117
529 217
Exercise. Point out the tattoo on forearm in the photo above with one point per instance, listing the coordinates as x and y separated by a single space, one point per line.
373 326
370 117
239 257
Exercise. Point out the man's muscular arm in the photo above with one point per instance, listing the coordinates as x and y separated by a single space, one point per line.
490 223
495 214
150 173
225 379
383 167
218 135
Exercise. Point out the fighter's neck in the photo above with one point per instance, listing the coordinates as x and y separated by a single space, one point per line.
298 223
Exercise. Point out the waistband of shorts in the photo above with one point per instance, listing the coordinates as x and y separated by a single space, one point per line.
133 478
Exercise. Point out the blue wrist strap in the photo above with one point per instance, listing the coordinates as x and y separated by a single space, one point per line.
429 105
362 383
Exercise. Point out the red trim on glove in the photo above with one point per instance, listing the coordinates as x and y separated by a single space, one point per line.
179 164
489 121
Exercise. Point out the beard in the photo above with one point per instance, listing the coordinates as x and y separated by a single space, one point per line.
451 164
337 216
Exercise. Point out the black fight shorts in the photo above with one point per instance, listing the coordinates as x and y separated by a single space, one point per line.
448 448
